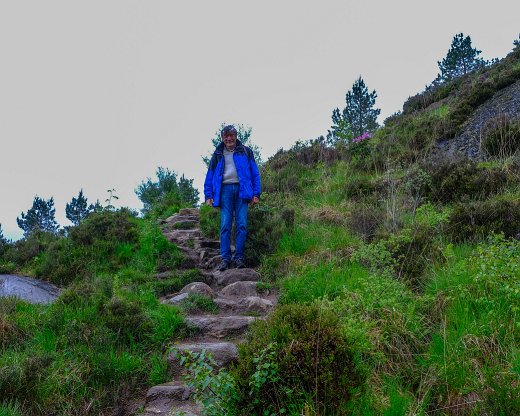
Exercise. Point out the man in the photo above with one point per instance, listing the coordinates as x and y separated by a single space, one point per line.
232 182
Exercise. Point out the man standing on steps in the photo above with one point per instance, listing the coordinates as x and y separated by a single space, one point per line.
232 182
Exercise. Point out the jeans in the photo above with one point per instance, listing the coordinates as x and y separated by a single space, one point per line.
231 203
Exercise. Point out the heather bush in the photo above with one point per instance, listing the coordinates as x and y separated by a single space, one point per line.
463 180
473 221
310 359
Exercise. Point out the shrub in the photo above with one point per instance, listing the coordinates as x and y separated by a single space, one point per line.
359 187
476 220
365 219
264 230
126 319
113 226
210 222
27 249
308 359
462 180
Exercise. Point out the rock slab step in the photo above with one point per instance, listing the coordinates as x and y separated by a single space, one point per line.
235 275
220 326
224 353
249 304
240 289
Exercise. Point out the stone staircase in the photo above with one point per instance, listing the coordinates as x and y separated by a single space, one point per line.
234 291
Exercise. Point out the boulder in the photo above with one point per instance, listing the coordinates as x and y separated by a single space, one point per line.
198 288
240 289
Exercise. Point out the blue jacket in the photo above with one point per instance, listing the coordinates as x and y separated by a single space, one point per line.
247 171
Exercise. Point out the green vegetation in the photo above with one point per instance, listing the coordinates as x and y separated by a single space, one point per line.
399 280
105 338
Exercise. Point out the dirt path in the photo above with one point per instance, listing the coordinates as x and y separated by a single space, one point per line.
235 293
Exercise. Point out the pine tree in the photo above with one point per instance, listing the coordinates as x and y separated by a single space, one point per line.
40 217
77 210
3 241
359 115
461 59
516 42
243 134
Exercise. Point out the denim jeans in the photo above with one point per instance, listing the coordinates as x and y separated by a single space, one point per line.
231 204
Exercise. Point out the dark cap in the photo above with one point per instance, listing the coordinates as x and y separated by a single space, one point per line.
228 129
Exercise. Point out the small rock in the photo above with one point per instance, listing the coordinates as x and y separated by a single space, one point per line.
177 299
164 275
240 289
198 288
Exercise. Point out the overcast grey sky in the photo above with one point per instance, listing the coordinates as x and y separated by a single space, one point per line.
98 94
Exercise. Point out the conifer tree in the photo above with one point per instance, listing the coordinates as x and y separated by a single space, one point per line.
243 134
3 241
461 59
78 209
359 115
40 217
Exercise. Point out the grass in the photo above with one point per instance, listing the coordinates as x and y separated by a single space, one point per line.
102 339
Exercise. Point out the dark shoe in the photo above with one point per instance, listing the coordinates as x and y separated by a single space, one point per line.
224 265
239 264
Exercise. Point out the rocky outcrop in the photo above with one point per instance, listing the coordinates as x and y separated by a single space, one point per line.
505 103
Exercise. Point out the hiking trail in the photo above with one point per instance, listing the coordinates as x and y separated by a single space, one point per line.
234 291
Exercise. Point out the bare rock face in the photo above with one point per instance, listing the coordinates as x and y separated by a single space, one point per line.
220 326
224 353
240 289
198 288
235 275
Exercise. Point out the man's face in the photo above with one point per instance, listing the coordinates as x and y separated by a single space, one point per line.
230 140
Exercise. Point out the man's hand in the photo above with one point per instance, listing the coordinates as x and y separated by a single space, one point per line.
209 202
255 201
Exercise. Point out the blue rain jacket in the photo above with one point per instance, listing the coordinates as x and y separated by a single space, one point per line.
247 171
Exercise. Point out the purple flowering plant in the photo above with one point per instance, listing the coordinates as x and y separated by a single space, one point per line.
364 136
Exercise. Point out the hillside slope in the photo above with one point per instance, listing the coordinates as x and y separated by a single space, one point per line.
399 264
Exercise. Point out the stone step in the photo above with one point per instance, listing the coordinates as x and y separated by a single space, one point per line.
224 353
220 326
234 275
189 211
211 263
249 304
182 235
184 224
169 398
186 408
240 289
214 244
